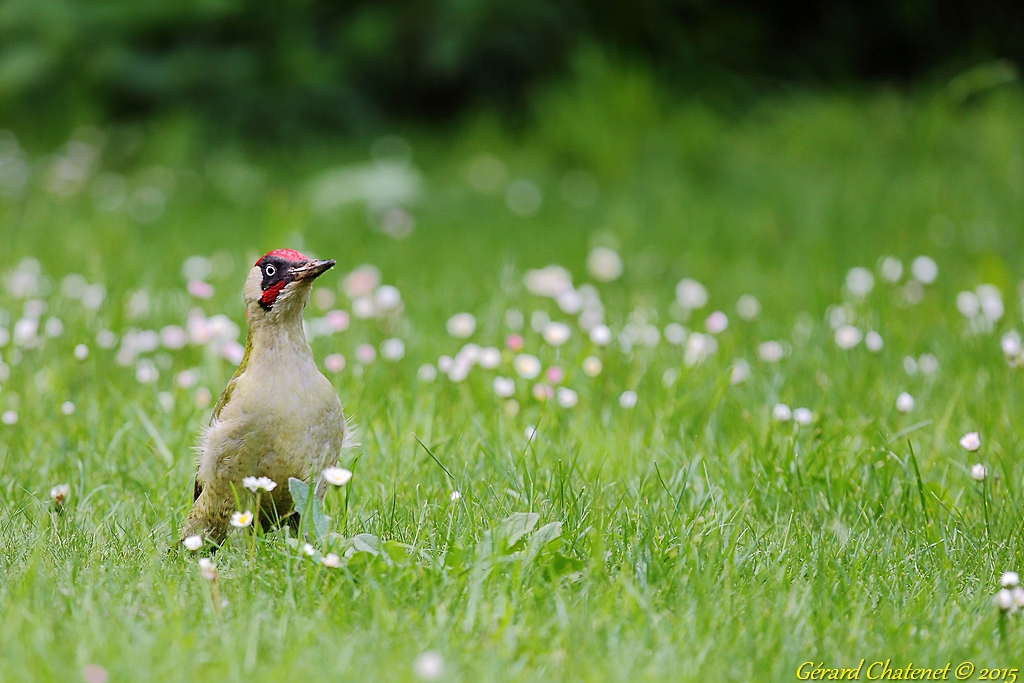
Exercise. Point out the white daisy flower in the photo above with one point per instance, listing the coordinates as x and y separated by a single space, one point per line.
556 333
240 520
193 543
803 416
461 325
971 441
567 398
592 366
504 387
255 484
847 337
978 472
337 476
429 665
208 569
904 402
1004 600
782 412
527 366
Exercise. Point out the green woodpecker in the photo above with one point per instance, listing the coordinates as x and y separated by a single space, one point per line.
278 417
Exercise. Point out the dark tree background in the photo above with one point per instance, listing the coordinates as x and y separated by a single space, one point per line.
279 66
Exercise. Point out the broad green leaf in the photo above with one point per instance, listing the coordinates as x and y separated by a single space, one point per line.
366 543
546 534
517 525
397 552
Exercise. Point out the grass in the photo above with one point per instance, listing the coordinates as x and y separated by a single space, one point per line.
700 539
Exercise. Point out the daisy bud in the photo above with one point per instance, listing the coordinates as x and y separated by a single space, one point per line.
971 441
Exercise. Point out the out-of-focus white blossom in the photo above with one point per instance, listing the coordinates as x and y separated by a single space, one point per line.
691 294
604 264
924 270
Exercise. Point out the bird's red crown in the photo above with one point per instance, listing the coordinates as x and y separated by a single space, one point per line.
287 254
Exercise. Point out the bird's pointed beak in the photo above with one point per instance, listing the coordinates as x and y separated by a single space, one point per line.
312 269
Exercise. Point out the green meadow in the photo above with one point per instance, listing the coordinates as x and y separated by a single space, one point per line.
664 513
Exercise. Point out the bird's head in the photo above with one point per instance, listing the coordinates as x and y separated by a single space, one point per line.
279 284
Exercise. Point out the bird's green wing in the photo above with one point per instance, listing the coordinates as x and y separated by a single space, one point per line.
225 396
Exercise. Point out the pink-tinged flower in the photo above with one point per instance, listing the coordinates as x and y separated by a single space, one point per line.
555 374
716 322
628 399
202 397
978 472
543 392
514 342
366 354
873 341
233 352
173 337
335 362
971 441
337 321
361 281
94 673
200 289
330 560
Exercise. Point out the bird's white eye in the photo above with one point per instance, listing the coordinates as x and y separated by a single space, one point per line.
271 270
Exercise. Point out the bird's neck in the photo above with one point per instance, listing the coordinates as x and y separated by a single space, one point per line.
279 342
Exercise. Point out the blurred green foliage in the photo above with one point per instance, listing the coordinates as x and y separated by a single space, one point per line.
294 66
